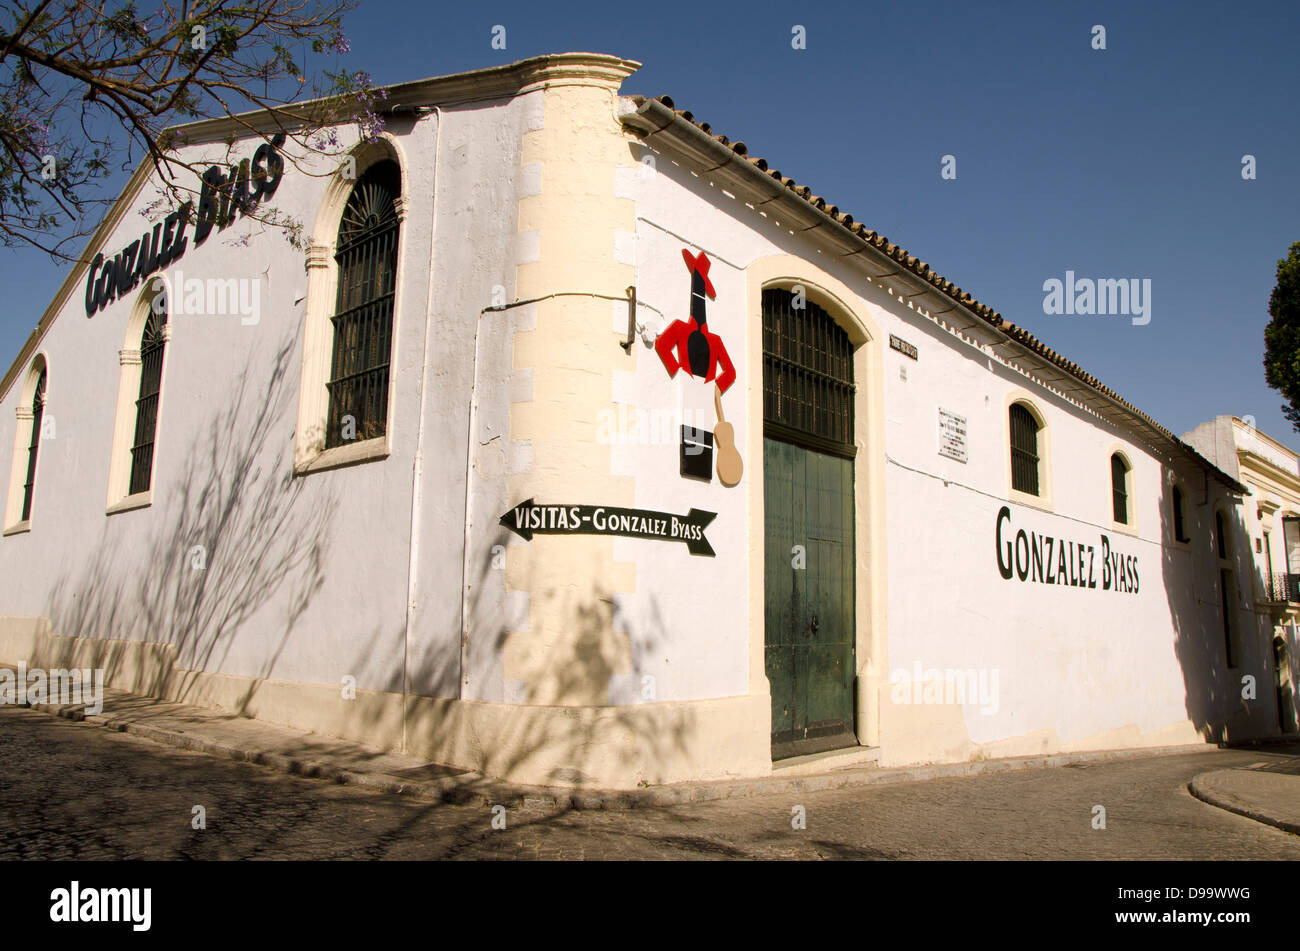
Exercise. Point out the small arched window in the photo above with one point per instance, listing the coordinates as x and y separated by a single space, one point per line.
366 257
1180 530
38 410
152 344
1024 449
27 440
1119 470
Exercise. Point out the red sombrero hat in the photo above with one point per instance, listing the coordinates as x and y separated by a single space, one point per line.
700 265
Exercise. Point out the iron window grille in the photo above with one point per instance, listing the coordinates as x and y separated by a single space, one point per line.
1180 534
152 344
363 315
1119 487
1024 450
38 409
808 388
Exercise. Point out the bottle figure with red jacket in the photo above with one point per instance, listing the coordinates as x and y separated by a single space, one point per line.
688 344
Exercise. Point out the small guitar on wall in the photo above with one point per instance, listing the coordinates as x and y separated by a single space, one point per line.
730 465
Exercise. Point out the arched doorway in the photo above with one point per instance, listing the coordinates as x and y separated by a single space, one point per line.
1286 718
809 524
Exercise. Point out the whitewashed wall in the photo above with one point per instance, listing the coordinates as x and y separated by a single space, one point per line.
307 577
1074 665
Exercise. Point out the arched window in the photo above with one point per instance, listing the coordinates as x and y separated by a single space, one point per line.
139 396
38 410
1180 529
1119 470
27 439
152 344
352 311
1024 449
807 375
366 258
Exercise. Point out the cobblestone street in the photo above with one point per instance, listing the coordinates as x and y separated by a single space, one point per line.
74 791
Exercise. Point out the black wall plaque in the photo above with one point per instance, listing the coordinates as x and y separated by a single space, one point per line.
902 346
697 453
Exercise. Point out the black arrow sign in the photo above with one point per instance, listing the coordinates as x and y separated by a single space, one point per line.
527 519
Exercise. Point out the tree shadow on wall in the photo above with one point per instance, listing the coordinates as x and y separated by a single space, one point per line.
576 716
1193 588
230 538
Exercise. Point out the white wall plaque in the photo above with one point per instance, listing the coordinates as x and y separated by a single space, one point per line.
952 435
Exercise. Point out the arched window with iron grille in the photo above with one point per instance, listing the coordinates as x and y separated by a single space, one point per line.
1119 487
38 409
807 375
1024 449
366 256
152 344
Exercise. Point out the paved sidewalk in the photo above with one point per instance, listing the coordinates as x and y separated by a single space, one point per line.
1269 794
1265 792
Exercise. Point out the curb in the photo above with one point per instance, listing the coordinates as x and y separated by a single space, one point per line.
1199 788
1285 739
468 786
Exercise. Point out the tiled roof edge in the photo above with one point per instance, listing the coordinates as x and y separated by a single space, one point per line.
665 106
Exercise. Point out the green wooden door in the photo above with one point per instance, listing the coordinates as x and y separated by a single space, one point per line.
809 618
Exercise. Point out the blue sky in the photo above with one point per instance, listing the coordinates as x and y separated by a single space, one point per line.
1116 163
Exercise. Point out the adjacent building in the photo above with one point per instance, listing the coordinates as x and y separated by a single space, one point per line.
1260 558
582 446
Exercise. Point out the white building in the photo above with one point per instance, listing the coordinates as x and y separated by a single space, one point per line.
451 509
